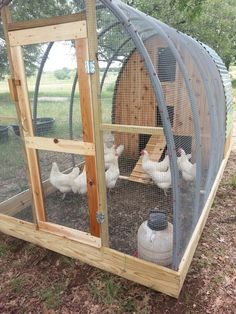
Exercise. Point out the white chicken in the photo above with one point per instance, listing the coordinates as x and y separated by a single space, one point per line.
189 156
162 179
112 174
119 150
187 169
108 139
63 181
149 165
109 154
79 184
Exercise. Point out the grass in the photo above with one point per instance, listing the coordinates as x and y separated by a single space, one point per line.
51 297
16 285
233 181
105 289
3 250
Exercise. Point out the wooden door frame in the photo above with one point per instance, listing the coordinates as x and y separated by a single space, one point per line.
53 29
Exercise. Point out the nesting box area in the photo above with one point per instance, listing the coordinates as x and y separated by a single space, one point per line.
141 139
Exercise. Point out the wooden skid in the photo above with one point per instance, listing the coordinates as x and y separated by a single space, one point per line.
68 31
155 148
153 276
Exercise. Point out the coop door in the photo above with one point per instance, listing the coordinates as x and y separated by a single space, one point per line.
42 147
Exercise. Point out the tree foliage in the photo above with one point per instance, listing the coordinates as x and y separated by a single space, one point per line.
62 74
211 21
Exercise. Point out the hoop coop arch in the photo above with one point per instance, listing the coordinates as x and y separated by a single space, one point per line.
141 147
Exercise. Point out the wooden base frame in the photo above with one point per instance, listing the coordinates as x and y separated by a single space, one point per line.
81 246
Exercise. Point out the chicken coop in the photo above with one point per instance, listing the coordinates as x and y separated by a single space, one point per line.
138 137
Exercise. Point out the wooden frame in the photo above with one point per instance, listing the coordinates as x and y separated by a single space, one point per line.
8 119
18 89
89 248
96 111
81 47
55 20
43 34
60 145
132 129
147 274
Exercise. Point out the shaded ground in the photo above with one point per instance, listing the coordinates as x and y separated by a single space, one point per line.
34 280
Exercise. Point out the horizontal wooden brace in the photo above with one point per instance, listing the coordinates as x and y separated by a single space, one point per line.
68 31
60 145
46 21
132 129
148 274
8 119
77 235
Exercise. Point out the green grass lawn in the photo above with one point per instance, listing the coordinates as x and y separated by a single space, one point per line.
54 101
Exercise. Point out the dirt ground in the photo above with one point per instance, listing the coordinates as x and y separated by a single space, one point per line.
35 280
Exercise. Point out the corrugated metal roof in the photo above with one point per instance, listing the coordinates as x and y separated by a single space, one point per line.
226 82
222 70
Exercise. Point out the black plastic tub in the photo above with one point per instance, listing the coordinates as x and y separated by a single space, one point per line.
43 125
3 133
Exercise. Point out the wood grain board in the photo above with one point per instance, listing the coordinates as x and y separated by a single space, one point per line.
44 34
155 148
60 145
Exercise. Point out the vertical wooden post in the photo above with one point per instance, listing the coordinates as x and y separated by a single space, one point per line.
23 110
81 47
96 110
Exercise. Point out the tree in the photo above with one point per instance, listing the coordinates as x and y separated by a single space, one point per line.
62 74
211 21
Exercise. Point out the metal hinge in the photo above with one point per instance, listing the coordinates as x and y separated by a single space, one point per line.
100 217
89 66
